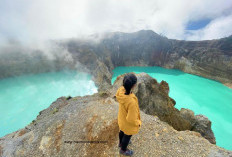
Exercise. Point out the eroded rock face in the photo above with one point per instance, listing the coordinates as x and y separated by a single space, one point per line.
211 59
154 100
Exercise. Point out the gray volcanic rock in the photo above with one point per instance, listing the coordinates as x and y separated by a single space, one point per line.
203 126
199 123
154 100
69 125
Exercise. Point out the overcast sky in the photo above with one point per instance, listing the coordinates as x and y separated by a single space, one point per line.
30 20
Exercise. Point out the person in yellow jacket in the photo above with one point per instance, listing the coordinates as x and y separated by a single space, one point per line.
129 120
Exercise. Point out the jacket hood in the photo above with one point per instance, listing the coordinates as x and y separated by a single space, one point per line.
121 97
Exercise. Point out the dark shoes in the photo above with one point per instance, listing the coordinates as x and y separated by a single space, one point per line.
127 152
119 145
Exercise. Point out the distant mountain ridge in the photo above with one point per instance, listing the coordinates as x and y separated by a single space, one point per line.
209 58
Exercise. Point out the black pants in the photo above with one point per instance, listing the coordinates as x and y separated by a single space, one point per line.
124 139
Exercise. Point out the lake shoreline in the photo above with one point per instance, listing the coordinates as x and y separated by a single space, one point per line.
228 85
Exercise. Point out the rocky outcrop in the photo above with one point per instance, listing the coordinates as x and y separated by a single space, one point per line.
87 126
199 123
154 100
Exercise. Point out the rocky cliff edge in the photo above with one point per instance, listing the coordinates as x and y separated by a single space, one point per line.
69 124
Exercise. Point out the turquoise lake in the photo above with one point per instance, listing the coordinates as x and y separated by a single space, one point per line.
23 97
202 95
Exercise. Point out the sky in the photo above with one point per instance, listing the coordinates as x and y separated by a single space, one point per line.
39 20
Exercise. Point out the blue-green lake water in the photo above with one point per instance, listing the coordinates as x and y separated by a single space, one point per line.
23 97
202 95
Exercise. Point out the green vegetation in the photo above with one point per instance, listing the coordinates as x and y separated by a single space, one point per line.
55 110
68 97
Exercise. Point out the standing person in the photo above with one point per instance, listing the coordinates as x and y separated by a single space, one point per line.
129 120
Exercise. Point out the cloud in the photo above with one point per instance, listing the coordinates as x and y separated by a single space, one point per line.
57 19
218 28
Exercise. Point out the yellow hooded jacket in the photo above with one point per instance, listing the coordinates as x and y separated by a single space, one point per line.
129 120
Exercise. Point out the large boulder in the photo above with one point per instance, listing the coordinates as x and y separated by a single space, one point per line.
203 126
199 123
